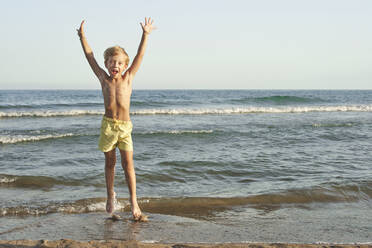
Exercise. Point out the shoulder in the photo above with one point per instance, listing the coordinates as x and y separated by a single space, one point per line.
103 77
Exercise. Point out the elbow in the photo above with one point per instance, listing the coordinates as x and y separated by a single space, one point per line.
89 54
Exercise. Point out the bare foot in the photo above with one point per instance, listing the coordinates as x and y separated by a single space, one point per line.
110 204
115 217
136 211
143 218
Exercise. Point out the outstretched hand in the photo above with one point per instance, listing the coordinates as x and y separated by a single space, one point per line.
81 29
147 27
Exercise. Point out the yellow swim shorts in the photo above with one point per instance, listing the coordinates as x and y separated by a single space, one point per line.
115 133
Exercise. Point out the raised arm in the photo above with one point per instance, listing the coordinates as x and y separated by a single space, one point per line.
146 30
89 53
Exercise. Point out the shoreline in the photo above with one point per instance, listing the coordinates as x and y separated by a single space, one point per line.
118 243
295 226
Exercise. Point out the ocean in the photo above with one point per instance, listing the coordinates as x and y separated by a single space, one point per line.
211 166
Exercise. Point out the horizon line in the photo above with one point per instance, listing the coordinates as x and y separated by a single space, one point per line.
71 89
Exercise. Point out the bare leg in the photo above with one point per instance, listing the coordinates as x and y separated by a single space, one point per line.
130 175
110 160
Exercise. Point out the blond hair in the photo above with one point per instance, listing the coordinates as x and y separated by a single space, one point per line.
115 50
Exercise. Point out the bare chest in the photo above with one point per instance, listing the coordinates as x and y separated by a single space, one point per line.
117 94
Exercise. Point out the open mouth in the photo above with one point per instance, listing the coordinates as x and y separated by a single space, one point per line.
114 71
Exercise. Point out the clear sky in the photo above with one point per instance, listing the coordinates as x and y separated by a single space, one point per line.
199 44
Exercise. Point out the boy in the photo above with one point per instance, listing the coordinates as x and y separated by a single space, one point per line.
116 124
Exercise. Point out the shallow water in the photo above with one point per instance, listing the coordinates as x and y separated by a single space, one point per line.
333 223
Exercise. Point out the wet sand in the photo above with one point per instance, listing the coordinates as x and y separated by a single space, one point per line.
116 243
270 228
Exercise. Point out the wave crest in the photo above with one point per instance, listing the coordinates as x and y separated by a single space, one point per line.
176 132
252 110
79 206
28 138
199 111
204 206
49 113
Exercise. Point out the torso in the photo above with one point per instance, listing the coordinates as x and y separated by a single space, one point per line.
116 95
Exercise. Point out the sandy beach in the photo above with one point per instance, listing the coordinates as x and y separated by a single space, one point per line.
115 243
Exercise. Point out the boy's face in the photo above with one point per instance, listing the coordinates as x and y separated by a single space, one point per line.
116 65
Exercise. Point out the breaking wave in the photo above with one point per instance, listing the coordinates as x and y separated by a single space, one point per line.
79 206
177 132
204 206
250 110
49 113
28 138
198 111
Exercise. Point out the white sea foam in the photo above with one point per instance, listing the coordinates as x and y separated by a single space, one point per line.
149 241
190 131
199 111
27 138
50 113
84 206
248 110
179 132
6 179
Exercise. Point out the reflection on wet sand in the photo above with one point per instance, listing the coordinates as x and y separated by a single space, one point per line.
123 229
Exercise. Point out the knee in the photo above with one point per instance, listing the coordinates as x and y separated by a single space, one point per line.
124 163
127 164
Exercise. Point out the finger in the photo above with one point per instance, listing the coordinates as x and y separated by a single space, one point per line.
81 29
149 20
145 20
